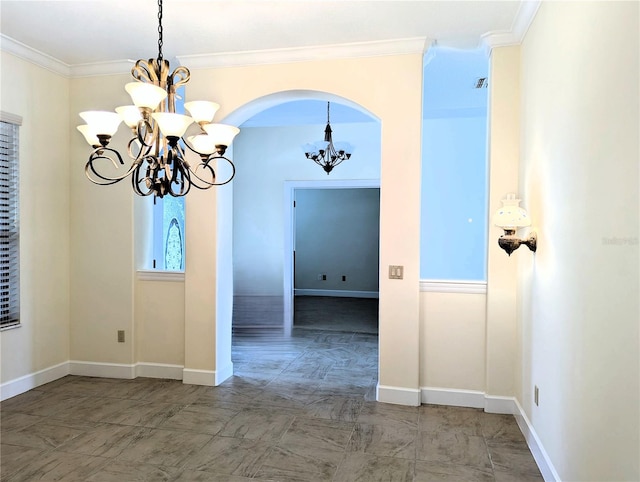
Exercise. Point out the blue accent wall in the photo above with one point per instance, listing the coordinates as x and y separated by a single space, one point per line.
454 168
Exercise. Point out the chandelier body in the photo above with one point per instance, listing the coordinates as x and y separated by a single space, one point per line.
158 149
325 153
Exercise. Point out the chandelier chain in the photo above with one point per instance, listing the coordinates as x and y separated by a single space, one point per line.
160 41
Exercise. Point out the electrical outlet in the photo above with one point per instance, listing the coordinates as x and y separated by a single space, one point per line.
324 277
536 394
396 272
120 336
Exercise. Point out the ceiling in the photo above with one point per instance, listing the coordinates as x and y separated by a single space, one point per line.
80 33
95 31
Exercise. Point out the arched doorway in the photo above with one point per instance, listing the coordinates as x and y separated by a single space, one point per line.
270 156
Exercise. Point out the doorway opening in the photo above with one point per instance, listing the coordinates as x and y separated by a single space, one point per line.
331 272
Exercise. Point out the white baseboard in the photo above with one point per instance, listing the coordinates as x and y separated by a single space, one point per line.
191 376
337 293
504 405
159 370
456 398
99 369
398 395
495 404
223 374
210 378
540 455
20 385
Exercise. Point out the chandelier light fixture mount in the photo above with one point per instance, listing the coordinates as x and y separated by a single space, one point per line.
325 153
158 149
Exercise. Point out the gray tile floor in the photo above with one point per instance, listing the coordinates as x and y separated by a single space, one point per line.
298 409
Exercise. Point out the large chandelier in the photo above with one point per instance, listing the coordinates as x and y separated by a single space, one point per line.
325 153
158 148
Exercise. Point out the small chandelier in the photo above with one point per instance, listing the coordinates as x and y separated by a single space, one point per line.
325 153
157 149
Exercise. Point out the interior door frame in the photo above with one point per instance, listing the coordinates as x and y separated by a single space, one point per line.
290 231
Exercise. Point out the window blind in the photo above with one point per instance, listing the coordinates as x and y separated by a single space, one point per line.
9 226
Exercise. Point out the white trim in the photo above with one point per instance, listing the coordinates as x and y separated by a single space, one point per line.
223 374
191 376
521 23
23 51
496 404
289 230
468 398
415 45
398 395
10 118
160 275
444 286
100 369
540 455
114 67
32 380
159 370
526 13
452 397
336 293
208 378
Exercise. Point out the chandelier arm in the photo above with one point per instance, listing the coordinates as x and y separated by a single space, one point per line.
103 179
181 178
141 153
145 134
206 165
136 181
180 76
144 72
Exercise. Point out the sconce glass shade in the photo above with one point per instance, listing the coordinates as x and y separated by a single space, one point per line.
102 122
145 95
203 143
511 215
89 135
202 110
222 134
172 125
130 115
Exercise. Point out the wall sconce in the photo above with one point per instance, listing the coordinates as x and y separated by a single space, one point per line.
511 217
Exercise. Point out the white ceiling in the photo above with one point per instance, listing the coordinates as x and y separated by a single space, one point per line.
93 31
77 33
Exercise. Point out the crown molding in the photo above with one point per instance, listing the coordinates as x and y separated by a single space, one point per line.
7 44
416 45
521 23
115 67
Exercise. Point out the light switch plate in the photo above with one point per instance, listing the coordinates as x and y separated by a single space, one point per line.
396 272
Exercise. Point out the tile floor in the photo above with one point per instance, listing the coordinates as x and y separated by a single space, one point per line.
297 409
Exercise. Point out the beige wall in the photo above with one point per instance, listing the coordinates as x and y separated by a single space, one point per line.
102 219
42 99
579 310
390 88
102 267
452 340
503 149
159 322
